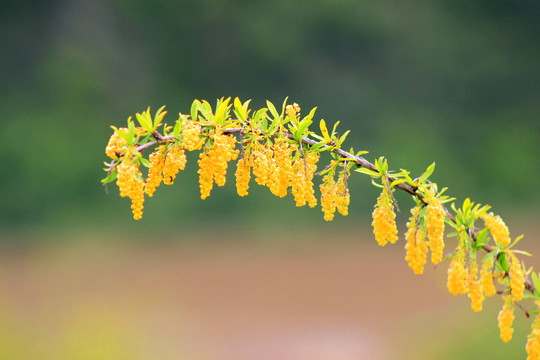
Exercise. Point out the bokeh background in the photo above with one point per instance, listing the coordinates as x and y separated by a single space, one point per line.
231 278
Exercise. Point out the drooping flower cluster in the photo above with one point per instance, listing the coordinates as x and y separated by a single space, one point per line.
155 172
533 340
416 247
506 319
302 182
213 163
458 276
117 145
486 278
497 228
281 169
517 279
174 162
384 219
435 228
243 175
131 185
334 195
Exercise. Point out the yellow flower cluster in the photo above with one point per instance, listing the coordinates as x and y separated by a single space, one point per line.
435 228
497 228
533 341
293 111
191 132
131 184
475 289
517 279
334 196
262 159
117 144
416 247
506 318
486 278
243 175
384 219
302 182
458 277
174 162
155 173
213 163
281 169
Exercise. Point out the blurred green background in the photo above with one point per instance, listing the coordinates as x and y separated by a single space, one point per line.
456 82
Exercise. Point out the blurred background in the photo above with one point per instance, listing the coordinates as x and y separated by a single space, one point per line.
232 278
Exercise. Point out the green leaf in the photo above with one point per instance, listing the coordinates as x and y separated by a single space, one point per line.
195 109
522 252
334 129
482 238
272 109
311 114
317 146
536 283
376 184
396 182
143 121
489 256
145 162
427 173
239 109
369 172
503 261
110 178
343 137
304 124
515 241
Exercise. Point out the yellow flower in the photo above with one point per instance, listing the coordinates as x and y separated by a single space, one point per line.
155 173
416 247
497 228
175 161
457 282
435 228
131 185
191 132
384 220
302 184
475 289
533 341
243 175
486 279
328 196
506 318
213 163
517 279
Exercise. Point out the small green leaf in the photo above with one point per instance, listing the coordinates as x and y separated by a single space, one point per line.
110 178
536 283
427 173
482 238
272 109
304 124
145 162
503 261
522 252
489 256
343 137
195 110
143 121
369 172
396 182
